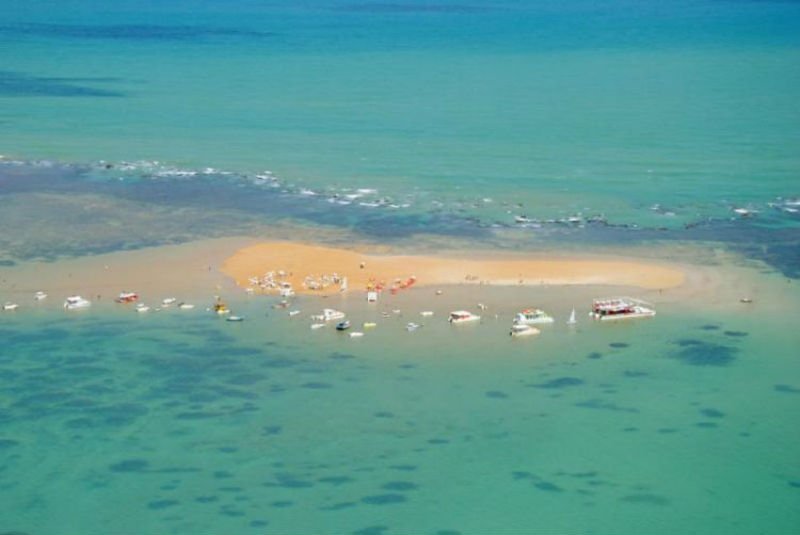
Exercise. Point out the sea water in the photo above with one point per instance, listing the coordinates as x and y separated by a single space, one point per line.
181 422
413 124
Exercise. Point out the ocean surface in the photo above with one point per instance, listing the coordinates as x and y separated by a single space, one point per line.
661 128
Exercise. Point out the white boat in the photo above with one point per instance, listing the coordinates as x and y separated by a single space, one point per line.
369 324
234 318
372 296
462 316
39 296
410 327
127 297
532 316
426 313
522 329
356 334
330 314
286 290
343 325
10 306
293 313
185 306
315 326
76 302
168 301
572 320
141 307
620 308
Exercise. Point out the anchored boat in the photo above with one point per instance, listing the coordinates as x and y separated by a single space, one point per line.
532 316
462 316
522 329
76 302
621 308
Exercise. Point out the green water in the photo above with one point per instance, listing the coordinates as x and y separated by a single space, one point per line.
178 422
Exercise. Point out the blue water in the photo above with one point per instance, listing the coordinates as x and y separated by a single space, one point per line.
575 126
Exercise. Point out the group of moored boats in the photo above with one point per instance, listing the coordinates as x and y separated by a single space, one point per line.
523 324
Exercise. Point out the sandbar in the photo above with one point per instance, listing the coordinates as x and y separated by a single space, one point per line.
301 262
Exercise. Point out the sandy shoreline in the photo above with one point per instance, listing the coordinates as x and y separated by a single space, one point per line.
302 265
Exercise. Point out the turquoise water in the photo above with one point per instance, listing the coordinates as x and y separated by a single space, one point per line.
592 107
178 422
425 126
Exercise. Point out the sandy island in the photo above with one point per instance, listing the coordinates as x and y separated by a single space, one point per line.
300 264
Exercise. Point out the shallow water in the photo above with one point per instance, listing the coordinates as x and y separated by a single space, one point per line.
674 424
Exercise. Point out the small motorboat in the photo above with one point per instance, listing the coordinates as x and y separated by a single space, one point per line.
127 297
343 325
462 316
426 313
141 307
168 301
315 326
522 329
293 313
234 318
372 296
411 326
370 324
9 307
220 307
620 308
76 302
746 300
356 334
39 296
185 306
330 314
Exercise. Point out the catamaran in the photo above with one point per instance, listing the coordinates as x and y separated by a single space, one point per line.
620 308
532 316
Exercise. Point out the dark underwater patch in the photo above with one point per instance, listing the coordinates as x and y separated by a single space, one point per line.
17 84
258 523
604 405
547 486
383 499
127 32
161 504
646 499
400 486
788 389
496 394
701 353
316 385
706 425
618 345
404 467
712 413
272 430
710 327
6 443
594 355
561 382
336 480
735 334
130 465
635 373
338 506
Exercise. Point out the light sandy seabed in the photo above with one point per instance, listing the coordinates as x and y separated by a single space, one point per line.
198 271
